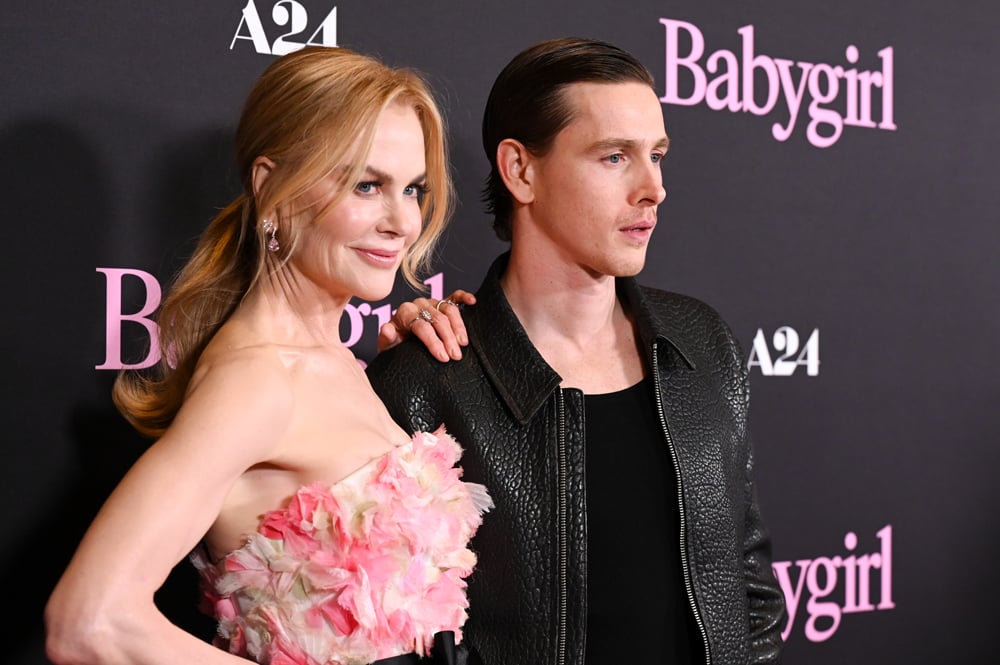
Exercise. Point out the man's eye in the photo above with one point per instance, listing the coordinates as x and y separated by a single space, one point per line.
615 158
656 158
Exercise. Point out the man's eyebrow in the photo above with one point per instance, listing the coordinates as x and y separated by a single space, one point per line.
627 144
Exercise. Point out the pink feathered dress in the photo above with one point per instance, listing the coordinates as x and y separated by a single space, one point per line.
368 568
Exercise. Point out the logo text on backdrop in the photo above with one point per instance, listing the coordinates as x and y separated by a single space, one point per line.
856 575
736 76
354 315
301 29
788 352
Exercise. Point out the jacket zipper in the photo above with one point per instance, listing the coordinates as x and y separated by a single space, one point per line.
685 568
563 529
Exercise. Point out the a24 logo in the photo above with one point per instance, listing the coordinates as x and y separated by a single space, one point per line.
294 17
789 353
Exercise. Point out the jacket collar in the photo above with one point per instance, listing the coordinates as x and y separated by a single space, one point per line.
657 320
522 378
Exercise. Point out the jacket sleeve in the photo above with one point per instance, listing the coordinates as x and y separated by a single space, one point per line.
765 598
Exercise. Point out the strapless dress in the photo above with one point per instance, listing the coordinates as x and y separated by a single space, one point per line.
366 569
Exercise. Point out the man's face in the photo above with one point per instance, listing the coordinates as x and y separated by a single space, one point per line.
597 188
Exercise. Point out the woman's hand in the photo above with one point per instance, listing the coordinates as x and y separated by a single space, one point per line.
437 323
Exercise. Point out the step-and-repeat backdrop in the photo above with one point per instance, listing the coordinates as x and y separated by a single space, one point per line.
831 190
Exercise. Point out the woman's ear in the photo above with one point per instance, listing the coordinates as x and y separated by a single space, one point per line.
516 166
262 167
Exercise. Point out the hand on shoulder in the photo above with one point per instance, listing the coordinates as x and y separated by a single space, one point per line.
436 323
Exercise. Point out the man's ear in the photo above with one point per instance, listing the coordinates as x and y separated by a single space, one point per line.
262 167
516 166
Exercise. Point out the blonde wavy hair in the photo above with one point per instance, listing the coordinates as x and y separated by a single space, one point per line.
312 112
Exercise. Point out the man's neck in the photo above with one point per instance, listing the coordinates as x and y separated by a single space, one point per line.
553 299
575 321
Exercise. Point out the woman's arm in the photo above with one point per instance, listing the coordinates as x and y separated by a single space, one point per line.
102 609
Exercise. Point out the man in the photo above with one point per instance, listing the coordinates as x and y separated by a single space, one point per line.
608 420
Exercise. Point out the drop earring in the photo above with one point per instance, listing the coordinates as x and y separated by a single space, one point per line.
272 242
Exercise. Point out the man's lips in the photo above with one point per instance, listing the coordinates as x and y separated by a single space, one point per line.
639 229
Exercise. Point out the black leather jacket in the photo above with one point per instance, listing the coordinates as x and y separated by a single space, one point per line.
523 438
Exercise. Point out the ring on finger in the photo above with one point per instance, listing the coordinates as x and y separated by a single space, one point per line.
423 315
446 301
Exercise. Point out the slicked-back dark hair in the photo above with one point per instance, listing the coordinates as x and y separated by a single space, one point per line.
527 103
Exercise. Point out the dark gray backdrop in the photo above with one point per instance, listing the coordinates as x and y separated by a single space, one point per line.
115 126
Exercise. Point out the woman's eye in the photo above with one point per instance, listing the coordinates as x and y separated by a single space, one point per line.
366 187
416 192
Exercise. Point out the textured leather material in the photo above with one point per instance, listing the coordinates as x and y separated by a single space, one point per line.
523 439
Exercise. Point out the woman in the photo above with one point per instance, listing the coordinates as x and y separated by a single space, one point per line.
322 532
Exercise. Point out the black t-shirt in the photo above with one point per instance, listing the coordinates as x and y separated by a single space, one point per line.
638 611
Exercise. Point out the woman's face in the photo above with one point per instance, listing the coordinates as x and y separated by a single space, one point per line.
355 248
